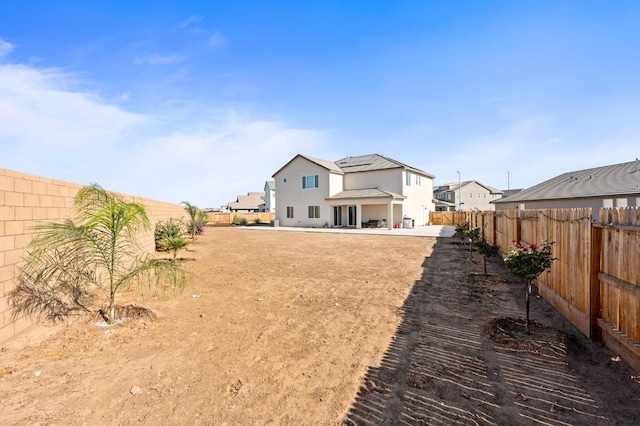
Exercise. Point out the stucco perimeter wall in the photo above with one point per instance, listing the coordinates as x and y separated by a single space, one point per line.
28 200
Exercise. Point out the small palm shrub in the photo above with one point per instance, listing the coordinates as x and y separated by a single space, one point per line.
93 256
173 244
168 229
198 218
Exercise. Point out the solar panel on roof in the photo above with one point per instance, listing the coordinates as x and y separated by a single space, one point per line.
353 163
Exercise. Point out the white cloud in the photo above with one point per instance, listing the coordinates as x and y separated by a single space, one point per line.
5 48
212 164
50 128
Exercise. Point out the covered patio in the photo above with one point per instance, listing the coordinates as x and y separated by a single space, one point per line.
369 207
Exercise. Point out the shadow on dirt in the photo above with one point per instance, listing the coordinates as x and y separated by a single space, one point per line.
447 365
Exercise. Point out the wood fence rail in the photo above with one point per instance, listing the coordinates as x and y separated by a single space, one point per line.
595 281
226 218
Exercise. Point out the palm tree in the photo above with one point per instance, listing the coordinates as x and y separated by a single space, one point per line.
65 260
196 215
174 244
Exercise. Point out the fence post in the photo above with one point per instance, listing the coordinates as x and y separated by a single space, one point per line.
495 229
594 287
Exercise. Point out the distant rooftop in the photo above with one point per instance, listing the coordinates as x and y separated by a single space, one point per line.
617 179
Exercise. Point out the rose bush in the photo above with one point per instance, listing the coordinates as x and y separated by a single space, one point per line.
528 262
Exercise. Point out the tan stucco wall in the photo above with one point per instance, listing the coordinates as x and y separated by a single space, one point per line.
28 200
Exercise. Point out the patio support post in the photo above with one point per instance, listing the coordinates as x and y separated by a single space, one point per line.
358 216
390 215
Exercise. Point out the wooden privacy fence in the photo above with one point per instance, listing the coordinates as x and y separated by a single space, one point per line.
595 281
226 218
448 218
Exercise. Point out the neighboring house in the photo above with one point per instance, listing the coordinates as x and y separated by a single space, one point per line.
252 202
467 195
510 192
369 190
617 185
270 196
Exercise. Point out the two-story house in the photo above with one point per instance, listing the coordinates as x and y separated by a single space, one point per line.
351 192
467 195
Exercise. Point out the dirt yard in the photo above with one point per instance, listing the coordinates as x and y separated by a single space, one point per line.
302 328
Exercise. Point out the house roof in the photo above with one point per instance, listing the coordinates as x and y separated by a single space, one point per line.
362 163
454 187
370 162
366 193
445 203
329 165
252 200
510 192
617 179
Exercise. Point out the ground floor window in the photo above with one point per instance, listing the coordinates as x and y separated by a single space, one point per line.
289 212
314 212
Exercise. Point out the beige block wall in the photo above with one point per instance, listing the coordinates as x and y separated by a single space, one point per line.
28 200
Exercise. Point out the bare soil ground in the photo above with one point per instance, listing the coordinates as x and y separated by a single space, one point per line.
321 329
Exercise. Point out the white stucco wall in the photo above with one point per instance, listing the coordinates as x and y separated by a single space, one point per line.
269 198
419 201
390 180
291 193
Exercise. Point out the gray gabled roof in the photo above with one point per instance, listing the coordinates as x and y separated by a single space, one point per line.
252 200
370 162
329 165
452 187
362 163
366 193
617 179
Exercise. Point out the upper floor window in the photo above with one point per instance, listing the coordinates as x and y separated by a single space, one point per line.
310 181
284 180
418 180
408 179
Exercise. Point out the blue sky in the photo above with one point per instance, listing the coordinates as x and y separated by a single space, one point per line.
202 101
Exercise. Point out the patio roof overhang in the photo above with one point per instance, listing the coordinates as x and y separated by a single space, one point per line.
364 195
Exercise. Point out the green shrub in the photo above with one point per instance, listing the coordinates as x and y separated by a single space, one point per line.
168 229
237 220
